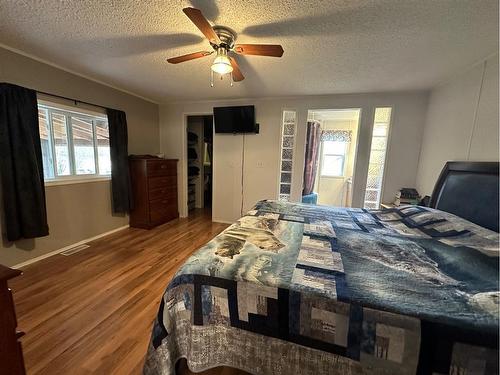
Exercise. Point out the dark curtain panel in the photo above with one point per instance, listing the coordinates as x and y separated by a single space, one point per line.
311 157
21 169
120 177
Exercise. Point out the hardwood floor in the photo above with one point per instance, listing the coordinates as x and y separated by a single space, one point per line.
92 312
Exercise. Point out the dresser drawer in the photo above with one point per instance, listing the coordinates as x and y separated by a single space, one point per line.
163 210
169 192
159 182
161 168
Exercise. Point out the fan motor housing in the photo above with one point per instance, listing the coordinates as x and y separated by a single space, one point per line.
226 36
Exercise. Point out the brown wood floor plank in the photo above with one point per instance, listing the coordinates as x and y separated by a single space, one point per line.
92 312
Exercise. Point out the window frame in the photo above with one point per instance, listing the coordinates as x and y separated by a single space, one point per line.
342 156
287 197
92 117
380 190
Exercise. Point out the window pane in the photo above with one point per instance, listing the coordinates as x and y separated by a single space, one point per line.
286 154
285 189
288 142
289 129
333 165
334 147
286 177
61 144
286 166
83 143
372 195
379 143
380 130
102 130
46 143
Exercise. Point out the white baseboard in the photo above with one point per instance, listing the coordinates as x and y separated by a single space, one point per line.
34 260
215 220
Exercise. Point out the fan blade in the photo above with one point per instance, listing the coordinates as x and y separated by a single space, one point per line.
189 56
237 75
273 50
201 23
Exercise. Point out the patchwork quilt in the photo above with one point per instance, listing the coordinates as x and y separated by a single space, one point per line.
314 290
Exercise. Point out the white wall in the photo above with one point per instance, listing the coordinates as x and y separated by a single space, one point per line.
462 122
262 151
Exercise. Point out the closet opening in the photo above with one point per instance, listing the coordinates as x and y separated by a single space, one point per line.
199 171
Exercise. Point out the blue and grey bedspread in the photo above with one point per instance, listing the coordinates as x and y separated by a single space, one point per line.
313 290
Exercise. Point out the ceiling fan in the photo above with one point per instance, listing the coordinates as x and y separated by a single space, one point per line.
222 39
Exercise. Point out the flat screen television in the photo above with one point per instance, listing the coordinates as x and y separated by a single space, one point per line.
239 119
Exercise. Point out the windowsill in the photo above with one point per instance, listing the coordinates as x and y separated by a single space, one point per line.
77 180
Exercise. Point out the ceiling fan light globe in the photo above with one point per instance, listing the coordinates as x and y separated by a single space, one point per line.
222 65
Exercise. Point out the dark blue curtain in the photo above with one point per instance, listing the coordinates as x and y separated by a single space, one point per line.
21 168
120 176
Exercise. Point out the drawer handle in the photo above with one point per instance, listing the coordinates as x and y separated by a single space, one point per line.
163 167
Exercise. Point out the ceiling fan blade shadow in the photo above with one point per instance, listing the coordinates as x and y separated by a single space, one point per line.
188 57
378 16
208 7
202 23
253 77
124 46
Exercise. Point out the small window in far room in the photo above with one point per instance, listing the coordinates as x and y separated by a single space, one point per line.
74 145
333 158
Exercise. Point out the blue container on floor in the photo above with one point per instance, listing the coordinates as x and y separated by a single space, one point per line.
310 198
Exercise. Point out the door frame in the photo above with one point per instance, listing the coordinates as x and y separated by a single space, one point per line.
356 150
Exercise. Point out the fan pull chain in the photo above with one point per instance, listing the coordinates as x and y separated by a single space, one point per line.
211 78
231 79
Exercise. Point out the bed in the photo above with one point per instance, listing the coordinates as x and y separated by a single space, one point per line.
301 289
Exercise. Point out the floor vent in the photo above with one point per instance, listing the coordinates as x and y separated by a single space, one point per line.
75 249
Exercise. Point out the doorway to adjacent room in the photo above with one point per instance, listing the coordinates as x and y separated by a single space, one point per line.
199 155
330 158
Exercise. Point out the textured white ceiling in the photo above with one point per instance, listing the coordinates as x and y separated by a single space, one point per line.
331 46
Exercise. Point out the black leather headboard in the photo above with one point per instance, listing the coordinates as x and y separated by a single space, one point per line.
469 190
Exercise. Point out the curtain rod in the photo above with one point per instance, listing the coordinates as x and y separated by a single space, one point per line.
76 101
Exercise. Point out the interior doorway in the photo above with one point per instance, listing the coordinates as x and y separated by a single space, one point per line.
199 155
331 149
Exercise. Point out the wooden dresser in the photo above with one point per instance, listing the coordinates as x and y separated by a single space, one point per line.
154 191
11 355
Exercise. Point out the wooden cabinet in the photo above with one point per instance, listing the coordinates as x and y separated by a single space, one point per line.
11 355
154 191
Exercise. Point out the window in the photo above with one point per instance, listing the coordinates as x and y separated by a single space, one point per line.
287 143
74 145
377 157
333 158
